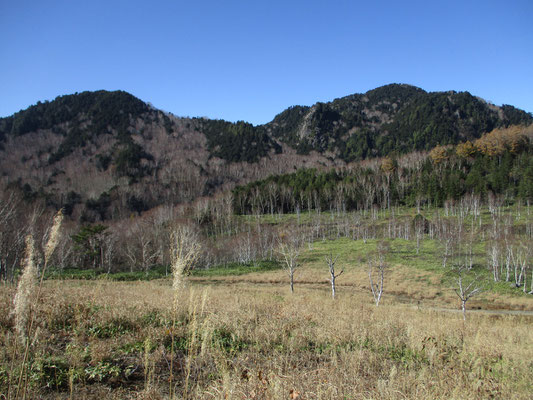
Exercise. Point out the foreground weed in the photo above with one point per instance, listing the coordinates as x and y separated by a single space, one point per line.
25 298
185 251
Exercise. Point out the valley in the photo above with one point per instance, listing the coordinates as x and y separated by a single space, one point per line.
203 259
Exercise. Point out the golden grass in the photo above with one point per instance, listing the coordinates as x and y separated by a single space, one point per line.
403 284
257 341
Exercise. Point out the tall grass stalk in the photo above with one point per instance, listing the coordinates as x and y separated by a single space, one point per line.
191 348
148 366
25 291
24 310
185 251
23 300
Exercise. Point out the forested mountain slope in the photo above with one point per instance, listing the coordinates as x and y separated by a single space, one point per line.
392 118
499 164
106 154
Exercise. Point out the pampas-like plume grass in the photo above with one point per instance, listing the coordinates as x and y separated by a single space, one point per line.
25 297
25 291
53 238
185 251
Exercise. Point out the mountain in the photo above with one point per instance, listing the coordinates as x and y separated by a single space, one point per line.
107 154
399 118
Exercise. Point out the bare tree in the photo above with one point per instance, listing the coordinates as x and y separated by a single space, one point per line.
289 246
110 245
13 230
450 236
140 247
16 221
331 265
63 257
521 261
267 241
273 196
377 265
493 259
467 285
246 249
420 227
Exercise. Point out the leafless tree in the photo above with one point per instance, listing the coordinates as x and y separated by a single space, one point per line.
331 261
419 226
467 285
140 249
450 237
11 235
495 249
377 265
289 247
522 258
266 241
272 197
64 254
109 243
493 259
246 249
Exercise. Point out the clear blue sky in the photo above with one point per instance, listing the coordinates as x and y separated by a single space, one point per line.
249 60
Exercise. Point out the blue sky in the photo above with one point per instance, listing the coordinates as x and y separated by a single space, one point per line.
249 60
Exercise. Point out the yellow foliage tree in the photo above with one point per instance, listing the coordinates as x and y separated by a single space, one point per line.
438 154
388 165
466 149
496 142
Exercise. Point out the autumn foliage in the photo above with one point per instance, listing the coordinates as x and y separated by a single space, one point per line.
438 154
514 139
495 143
388 165
466 149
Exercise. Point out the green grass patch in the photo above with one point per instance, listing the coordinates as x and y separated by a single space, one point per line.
355 253
157 272
161 272
111 329
238 268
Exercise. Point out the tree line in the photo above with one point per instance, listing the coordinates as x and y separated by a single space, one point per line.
498 163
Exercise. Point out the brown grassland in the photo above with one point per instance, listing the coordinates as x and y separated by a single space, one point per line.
240 339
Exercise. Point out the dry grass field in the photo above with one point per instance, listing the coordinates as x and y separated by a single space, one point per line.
246 338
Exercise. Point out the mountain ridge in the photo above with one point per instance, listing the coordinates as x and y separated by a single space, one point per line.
106 154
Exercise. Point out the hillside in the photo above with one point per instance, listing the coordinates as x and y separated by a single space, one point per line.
392 118
105 155
262 291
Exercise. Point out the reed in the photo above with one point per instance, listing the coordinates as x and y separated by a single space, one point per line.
184 252
26 300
